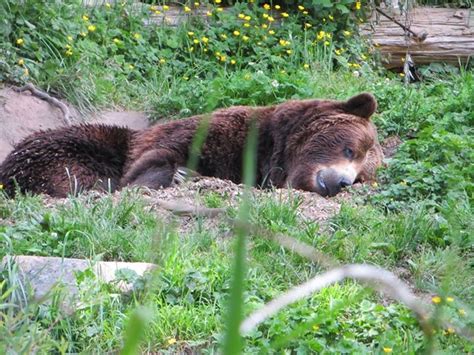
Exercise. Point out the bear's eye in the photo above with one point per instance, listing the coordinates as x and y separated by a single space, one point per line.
348 153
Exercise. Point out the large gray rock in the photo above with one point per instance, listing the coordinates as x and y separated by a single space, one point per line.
42 274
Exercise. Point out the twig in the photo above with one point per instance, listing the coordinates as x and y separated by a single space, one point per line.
51 100
181 209
421 37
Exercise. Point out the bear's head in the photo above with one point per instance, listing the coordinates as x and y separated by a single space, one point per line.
325 145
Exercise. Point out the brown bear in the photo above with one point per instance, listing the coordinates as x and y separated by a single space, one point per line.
313 145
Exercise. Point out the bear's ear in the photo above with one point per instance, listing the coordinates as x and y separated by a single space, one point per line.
363 105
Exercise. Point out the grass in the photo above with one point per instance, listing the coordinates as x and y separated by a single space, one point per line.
417 224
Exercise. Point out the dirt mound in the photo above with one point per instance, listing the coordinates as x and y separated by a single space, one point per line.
22 113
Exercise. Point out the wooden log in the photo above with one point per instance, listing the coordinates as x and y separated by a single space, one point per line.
450 36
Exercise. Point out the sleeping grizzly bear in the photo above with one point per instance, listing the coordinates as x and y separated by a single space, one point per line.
312 145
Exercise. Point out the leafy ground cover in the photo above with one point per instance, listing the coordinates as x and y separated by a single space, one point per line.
418 223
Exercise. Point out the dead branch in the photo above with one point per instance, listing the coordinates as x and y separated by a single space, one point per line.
44 96
420 37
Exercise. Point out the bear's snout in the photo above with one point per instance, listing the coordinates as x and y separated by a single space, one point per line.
329 182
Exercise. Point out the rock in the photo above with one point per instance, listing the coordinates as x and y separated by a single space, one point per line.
42 274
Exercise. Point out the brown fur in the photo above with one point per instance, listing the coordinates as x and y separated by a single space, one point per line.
300 143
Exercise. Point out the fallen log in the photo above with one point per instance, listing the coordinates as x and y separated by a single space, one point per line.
446 36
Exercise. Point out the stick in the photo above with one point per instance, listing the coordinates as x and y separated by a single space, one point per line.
421 37
44 96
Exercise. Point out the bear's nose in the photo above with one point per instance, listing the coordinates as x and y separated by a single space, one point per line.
344 182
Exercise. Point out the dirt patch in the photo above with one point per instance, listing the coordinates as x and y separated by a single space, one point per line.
21 114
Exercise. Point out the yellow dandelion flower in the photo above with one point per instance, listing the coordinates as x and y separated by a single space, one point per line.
271 32
305 12
205 40
191 49
387 350
450 330
172 341
153 8
270 19
137 35
462 312
277 7
26 72
328 35
300 7
374 184
217 1
209 13
247 18
331 17
358 5
289 51
68 46
162 61
195 41
435 299
236 33
21 61
117 41
85 17
185 78
233 62
338 51
363 56
130 66
403 182
20 41
315 327
165 7
187 9
264 25
267 7
321 35
196 4
245 38
83 34
265 15
247 25
449 299
91 28
283 42
223 36
190 34
242 16
1 186
347 33
70 39
285 14
220 9
68 52
107 5
157 12
247 76
308 25
327 43
223 58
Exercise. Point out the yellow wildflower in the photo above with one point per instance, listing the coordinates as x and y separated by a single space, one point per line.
232 61
245 38
26 72
165 7
289 51
187 9
277 7
196 4
205 40
68 52
236 33
301 7
68 46
449 299
387 350
172 341
267 7
358 5
217 1
117 41
308 25
196 41
190 34
315 327
450 330
21 61
130 66
435 299
162 61
265 15
347 33
403 182
91 28
374 184
247 76
247 18
363 56
220 9
327 43
271 32
321 35
331 17
209 13
283 42
462 312
264 25
137 35
191 49
85 17
185 78
285 14
20 41
246 24
83 34
223 36
157 12
1 186
107 5
305 12
223 58
338 51
270 19
242 16
70 39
